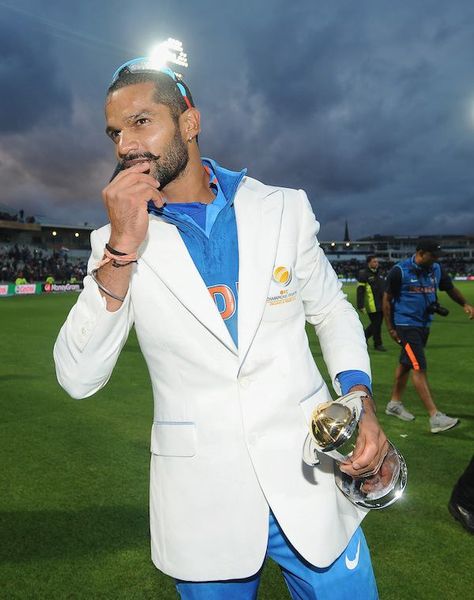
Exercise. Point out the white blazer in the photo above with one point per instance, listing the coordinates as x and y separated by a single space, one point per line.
229 424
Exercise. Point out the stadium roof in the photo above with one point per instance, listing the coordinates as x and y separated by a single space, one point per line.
437 236
51 222
8 209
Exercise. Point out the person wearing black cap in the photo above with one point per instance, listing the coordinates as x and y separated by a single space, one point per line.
409 303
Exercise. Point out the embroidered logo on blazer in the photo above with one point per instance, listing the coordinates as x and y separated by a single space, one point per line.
283 276
281 293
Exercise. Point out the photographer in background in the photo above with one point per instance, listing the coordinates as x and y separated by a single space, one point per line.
369 299
409 303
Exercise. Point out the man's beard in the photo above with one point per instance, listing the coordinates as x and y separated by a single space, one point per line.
174 161
167 166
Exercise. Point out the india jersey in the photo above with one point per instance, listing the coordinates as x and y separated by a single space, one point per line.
210 234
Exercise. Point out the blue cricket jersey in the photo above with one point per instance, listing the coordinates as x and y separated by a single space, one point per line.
210 234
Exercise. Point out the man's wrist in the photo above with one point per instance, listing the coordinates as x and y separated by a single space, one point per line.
360 387
368 401
122 245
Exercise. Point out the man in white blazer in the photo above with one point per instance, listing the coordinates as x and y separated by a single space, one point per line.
227 484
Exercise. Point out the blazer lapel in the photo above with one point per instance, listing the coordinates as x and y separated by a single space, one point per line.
258 226
166 254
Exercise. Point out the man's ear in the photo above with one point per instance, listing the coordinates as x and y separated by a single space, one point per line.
190 123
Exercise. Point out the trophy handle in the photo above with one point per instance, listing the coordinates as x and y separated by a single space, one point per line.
310 452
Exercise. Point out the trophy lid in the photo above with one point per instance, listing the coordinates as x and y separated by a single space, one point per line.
332 424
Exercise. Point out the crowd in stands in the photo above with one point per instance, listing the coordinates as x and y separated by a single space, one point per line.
458 267
35 266
349 269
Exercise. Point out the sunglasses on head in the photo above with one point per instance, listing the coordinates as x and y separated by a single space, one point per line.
146 65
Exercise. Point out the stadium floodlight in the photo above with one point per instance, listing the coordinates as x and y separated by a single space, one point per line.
169 52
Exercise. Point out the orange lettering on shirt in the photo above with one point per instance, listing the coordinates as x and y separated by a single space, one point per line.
227 298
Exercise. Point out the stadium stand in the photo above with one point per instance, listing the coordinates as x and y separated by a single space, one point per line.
38 265
347 257
41 248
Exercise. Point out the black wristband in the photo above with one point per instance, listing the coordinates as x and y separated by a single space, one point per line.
115 252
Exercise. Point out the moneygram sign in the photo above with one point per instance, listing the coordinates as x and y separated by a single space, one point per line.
62 287
10 289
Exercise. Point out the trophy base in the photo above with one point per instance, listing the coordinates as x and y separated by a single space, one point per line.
379 490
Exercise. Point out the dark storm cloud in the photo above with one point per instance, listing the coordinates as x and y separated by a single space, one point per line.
31 91
368 106
375 113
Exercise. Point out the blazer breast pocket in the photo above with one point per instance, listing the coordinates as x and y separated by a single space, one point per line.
173 438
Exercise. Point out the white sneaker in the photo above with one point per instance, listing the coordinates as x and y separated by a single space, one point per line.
396 409
441 422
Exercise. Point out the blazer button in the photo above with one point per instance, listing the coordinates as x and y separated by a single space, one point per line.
244 382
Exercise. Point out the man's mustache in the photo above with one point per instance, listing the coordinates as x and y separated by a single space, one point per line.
132 159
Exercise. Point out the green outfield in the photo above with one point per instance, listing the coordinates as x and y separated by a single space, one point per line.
74 474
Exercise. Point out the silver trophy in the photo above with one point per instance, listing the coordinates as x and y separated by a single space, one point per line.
333 431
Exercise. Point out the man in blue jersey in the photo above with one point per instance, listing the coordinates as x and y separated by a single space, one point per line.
409 303
219 273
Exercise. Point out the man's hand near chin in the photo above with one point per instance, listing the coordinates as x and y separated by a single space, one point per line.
371 445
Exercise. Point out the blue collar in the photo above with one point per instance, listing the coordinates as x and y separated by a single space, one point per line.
228 182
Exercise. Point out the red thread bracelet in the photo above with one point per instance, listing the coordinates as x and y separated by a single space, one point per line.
122 258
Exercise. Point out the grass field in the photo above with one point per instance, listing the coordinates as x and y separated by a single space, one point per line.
74 474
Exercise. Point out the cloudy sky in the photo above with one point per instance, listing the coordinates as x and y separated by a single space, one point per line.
367 105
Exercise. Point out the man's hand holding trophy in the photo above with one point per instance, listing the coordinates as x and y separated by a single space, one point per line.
334 432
